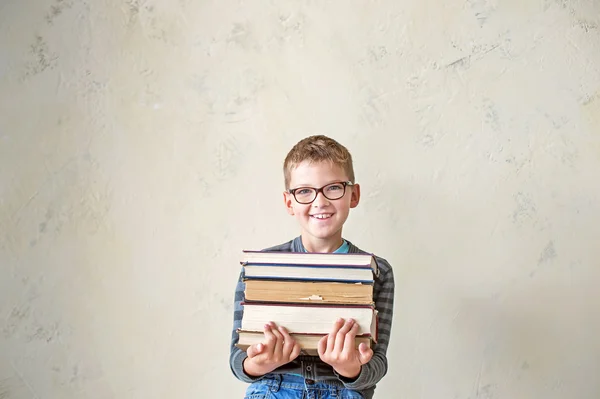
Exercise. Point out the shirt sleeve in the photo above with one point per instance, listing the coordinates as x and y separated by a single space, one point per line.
372 372
236 355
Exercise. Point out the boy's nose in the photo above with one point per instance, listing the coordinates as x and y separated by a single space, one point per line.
320 200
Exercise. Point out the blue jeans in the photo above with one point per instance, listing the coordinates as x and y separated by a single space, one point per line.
288 386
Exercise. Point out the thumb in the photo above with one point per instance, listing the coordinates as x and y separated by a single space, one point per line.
364 353
254 350
322 346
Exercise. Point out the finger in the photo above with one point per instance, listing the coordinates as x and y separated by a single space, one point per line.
349 345
270 340
295 351
332 335
278 349
254 350
341 334
322 346
365 353
288 341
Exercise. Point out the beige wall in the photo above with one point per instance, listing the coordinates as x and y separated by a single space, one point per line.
140 150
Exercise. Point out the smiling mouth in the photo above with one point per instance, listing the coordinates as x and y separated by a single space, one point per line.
322 216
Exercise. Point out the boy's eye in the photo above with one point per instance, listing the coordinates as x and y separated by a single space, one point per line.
304 191
335 187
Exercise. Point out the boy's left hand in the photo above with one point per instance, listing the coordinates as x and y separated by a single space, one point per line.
339 350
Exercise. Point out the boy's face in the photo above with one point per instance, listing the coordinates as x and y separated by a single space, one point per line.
322 220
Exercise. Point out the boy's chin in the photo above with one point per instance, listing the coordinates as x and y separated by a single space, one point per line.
328 234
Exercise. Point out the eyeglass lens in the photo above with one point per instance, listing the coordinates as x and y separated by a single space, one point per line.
333 191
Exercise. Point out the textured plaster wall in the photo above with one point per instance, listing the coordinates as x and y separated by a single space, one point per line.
140 150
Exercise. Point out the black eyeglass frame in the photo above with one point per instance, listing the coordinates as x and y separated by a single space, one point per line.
320 190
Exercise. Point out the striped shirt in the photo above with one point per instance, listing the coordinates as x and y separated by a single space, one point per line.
311 367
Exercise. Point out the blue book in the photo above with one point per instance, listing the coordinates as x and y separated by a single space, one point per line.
302 266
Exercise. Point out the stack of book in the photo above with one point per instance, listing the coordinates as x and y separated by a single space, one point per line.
306 293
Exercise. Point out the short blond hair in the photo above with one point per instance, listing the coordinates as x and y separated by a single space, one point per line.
318 148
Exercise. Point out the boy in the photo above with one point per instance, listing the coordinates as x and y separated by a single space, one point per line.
320 190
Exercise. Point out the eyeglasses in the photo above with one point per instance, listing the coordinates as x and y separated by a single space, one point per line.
332 191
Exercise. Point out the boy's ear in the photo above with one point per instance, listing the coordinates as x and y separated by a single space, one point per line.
287 199
355 198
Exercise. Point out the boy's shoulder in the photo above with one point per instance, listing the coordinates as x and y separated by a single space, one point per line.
385 269
285 247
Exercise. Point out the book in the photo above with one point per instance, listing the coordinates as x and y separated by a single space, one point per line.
309 258
308 342
308 292
330 267
308 318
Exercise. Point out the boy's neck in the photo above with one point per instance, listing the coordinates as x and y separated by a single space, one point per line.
322 246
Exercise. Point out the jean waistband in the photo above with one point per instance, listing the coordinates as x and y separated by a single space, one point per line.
291 381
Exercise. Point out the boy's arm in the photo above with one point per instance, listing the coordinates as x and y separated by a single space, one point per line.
236 355
372 372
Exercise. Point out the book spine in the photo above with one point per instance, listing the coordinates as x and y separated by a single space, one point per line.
309 266
316 280
306 305
249 302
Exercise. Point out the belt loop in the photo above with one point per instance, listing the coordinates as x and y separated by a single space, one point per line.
333 391
275 383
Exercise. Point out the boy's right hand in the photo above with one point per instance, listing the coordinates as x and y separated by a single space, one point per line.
279 348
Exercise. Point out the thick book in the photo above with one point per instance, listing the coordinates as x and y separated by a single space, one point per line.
308 342
308 318
309 292
332 267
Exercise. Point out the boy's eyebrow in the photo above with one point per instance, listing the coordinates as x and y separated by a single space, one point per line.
332 181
